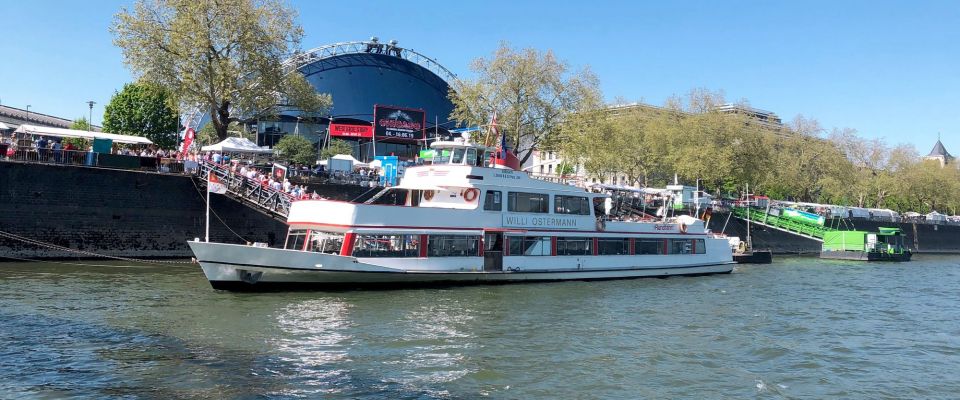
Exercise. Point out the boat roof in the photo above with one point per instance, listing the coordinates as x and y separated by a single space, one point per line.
447 144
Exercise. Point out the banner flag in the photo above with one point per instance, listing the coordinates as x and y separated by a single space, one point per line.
214 185
187 141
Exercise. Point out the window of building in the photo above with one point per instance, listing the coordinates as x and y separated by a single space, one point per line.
493 201
528 202
649 246
530 246
453 246
571 205
387 246
574 246
325 242
613 246
295 239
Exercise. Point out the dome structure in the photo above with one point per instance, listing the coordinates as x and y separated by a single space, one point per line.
359 76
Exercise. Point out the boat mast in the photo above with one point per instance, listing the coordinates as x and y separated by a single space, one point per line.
749 243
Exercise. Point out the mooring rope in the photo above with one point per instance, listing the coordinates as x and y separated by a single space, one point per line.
39 243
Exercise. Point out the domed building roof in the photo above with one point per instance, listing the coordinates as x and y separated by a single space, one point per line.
359 75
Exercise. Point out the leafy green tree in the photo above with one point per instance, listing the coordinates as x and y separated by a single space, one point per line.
143 110
207 134
226 55
80 124
295 149
531 92
335 147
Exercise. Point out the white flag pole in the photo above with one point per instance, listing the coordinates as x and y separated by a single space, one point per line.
207 237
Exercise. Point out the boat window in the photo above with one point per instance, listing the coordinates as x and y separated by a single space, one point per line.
528 202
441 157
457 156
493 201
576 205
471 156
325 242
453 246
681 246
387 246
295 239
574 246
613 246
649 246
699 247
530 246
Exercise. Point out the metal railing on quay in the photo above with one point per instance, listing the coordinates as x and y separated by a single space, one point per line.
92 159
51 156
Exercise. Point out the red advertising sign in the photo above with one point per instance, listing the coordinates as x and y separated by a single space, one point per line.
343 130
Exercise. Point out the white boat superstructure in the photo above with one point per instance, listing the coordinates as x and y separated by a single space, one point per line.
461 222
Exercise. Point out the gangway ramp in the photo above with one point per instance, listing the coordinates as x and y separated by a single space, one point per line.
763 218
272 202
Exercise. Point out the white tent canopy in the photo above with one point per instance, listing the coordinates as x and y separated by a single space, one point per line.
236 145
73 133
356 162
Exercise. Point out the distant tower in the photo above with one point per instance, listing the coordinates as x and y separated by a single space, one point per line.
939 153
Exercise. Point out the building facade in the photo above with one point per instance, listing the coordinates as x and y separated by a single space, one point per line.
360 76
939 154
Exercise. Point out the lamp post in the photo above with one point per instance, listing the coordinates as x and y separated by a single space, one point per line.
90 120
28 112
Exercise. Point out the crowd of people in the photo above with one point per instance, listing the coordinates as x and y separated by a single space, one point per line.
245 169
44 149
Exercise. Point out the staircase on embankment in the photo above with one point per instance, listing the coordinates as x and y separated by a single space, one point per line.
267 200
799 228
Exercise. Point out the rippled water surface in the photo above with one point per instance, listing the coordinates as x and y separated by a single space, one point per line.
800 328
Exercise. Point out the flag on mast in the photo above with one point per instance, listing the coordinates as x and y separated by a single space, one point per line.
501 139
214 185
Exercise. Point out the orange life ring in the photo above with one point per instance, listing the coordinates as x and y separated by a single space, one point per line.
471 194
428 195
683 227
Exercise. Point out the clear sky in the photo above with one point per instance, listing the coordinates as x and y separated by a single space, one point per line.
888 69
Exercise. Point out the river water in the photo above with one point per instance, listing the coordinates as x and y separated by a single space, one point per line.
800 328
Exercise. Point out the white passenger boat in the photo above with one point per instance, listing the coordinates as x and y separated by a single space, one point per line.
465 222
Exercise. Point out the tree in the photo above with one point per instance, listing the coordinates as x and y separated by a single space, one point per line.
80 124
295 149
531 92
207 135
225 55
335 147
143 110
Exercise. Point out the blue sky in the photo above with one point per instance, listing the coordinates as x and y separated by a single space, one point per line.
888 69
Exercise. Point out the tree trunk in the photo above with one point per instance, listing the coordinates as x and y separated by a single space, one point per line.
222 120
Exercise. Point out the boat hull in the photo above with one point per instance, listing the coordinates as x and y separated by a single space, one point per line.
754 257
246 268
866 256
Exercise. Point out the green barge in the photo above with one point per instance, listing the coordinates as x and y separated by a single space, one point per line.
885 245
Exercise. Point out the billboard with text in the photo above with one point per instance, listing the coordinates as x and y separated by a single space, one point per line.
398 123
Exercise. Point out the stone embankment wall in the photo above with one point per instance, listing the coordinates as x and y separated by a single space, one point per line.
922 238
119 213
